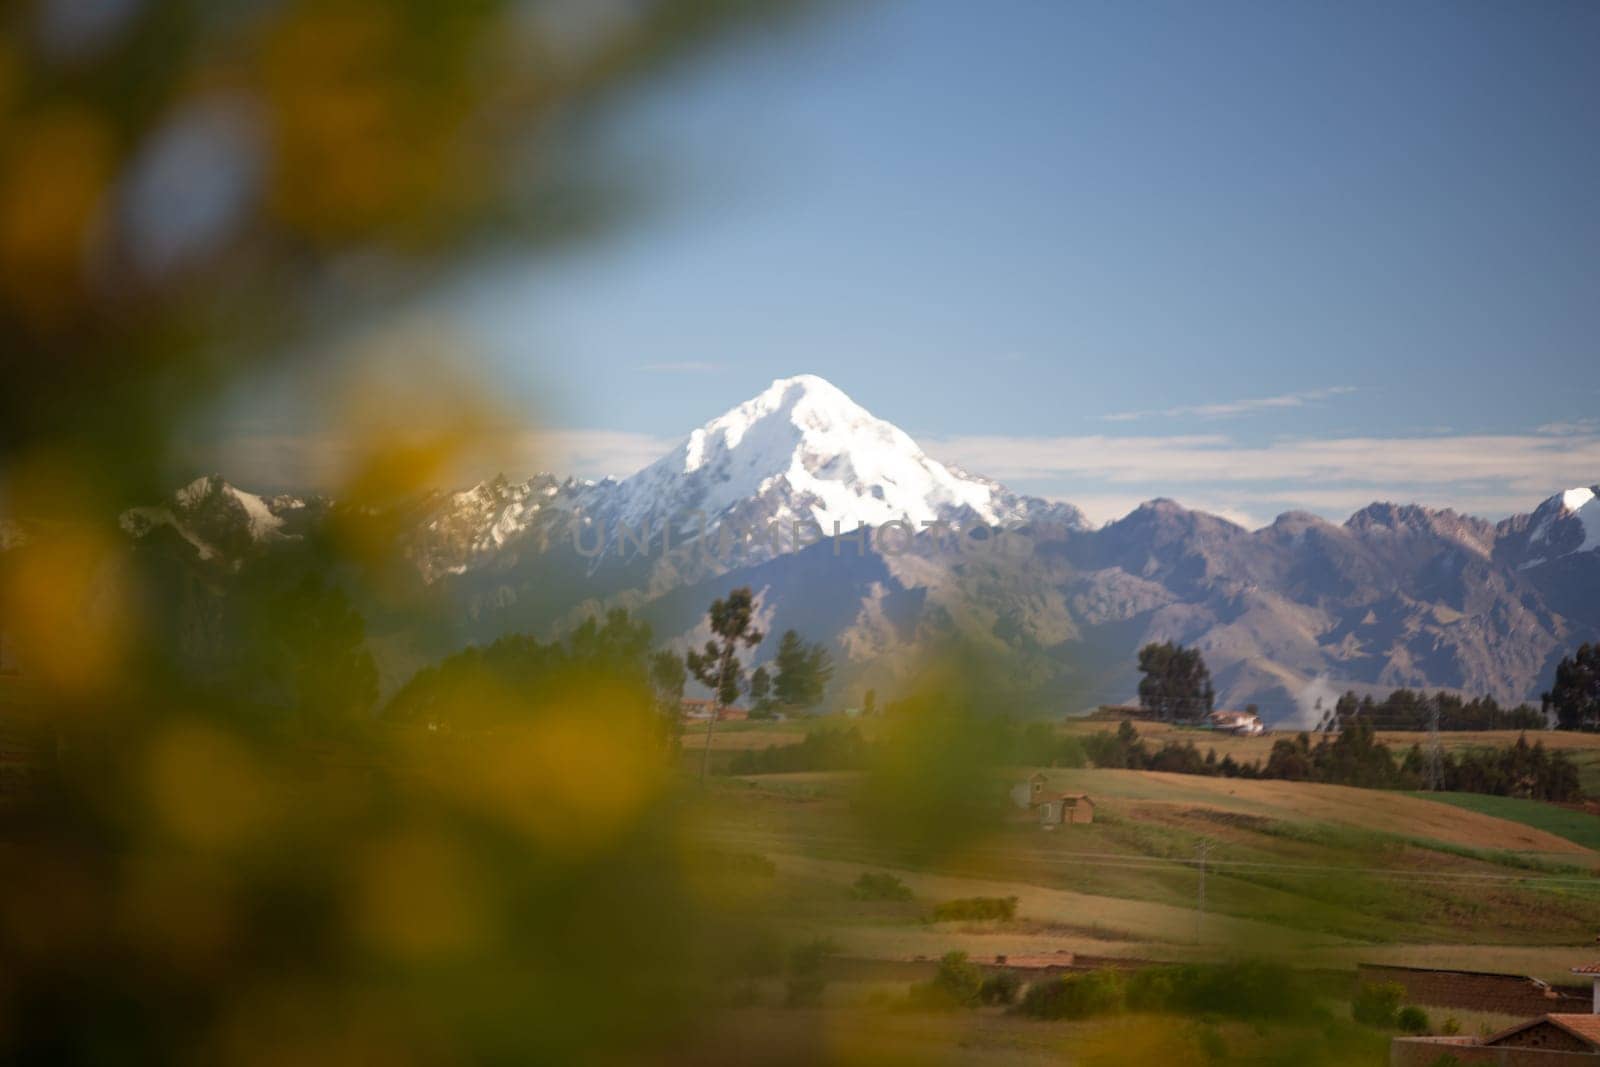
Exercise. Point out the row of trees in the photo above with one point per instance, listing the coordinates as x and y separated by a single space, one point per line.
467 690
617 647
1175 686
1407 709
1355 757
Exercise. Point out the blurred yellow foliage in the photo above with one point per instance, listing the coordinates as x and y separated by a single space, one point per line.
56 168
207 788
419 895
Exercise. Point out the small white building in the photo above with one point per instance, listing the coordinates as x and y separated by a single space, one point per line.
1242 723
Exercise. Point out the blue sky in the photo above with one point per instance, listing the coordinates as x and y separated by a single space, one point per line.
1253 256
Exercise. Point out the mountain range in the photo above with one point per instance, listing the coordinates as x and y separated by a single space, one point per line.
1398 595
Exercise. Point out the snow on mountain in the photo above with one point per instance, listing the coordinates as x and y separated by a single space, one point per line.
811 453
800 451
1583 505
1564 525
216 518
477 524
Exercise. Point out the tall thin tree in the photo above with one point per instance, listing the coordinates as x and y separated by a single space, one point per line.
718 668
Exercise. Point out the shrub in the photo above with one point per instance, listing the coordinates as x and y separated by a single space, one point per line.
1376 1004
956 984
806 983
1075 996
1412 1020
1001 988
872 886
1451 1026
971 908
1153 989
1212 1046
1250 990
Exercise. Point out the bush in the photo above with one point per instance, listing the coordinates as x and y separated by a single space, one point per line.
1250 990
956 984
1075 996
1000 988
1451 1026
1413 1020
872 886
971 908
806 983
1377 1004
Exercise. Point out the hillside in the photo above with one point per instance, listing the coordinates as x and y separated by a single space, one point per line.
1322 875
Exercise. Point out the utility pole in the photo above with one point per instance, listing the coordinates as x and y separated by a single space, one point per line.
1435 750
1202 852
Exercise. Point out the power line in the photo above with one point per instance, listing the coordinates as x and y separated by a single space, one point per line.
1435 752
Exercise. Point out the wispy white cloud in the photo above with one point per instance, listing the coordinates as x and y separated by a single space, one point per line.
1232 408
1483 474
1570 426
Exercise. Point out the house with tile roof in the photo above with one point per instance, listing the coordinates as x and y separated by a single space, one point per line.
1544 1041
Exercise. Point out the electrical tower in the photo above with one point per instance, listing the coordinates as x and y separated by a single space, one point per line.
1202 852
1435 751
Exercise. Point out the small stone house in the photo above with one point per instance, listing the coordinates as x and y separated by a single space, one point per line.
1066 808
1052 809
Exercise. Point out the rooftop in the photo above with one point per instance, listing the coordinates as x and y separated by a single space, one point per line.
1584 1027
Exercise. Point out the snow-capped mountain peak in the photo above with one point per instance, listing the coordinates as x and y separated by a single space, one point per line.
1565 524
215 517
805 451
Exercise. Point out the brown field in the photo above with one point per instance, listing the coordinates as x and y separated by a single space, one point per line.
1367 809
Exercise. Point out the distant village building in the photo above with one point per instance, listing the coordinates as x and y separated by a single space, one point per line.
1243 723
1552 1039
701 710
1051 808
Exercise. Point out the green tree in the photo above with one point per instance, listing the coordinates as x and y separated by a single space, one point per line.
958 983
667 678
803 671
1176 685
1575 697
761 694
717 667
310 648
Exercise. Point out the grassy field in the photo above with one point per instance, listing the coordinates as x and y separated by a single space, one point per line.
1311 873
1579 827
